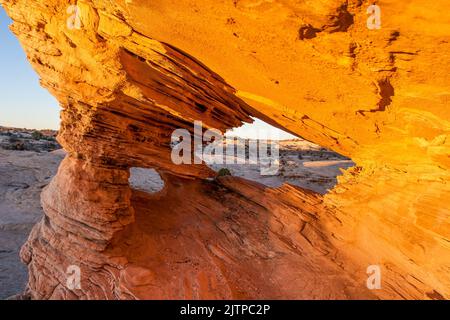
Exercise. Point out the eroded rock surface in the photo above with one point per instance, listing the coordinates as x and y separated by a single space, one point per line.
131 74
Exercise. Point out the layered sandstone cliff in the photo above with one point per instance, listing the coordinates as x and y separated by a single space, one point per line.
133 71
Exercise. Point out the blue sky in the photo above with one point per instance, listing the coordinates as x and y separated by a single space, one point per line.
25 104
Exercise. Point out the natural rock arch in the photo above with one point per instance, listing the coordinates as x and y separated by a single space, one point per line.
376 96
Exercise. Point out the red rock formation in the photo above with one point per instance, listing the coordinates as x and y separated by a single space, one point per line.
377 96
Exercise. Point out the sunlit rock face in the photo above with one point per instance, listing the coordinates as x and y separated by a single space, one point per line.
130 72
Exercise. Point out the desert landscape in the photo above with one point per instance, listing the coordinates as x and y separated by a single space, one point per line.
24 173
358 210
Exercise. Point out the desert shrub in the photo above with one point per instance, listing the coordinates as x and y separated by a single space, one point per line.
37 135
223 172
15 144
50 138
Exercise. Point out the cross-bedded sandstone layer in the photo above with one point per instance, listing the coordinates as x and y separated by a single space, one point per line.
128 77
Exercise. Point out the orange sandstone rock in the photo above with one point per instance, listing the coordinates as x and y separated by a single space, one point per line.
137 70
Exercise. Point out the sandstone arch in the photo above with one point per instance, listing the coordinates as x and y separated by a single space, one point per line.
128 77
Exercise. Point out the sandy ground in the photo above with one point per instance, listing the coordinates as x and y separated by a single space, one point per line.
23 174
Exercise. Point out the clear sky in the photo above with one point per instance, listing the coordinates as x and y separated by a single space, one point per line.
260 130
25 104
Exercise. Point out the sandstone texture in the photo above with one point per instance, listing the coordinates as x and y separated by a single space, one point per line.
24 174
132 71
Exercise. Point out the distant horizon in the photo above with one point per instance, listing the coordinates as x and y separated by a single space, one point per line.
25 128
247 131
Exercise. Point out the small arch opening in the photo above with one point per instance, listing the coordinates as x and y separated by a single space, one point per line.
146 180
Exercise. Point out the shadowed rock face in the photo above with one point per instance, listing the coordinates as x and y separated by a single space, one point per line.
128 77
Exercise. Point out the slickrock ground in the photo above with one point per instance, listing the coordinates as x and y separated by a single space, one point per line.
23 174
136 70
